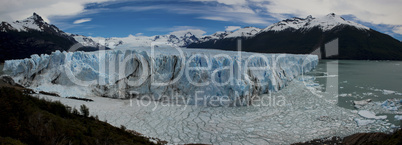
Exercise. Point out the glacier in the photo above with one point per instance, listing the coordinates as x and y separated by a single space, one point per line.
305 116
187 76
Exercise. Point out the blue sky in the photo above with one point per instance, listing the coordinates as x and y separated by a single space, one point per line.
155 18
120 18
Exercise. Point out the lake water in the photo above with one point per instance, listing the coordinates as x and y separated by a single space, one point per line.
315 105
360 80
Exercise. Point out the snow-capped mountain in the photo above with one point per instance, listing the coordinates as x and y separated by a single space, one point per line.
180 39
325 23
21 39
307 35
32 23
215 36
132 41
244 32
96 41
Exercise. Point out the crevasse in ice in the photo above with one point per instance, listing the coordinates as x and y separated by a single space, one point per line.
194 75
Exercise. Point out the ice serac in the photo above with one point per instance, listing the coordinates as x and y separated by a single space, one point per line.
164 74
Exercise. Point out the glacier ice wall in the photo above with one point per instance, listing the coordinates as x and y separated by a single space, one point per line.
190 76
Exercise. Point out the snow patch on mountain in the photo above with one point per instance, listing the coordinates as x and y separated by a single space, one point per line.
34 22
325 23
85 41
131 41
215 36
293 23
244 32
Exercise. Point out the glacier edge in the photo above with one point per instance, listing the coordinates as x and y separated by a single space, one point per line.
161 74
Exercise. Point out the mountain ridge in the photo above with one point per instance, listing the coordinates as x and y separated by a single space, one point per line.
331 20
23 38
308 35
34 22
293 35
182 40
325 23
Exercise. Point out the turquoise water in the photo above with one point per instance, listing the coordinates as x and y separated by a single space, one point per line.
360 80
304 117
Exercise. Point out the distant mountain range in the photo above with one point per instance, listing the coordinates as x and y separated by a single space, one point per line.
310 35
181 40
138 41
20 39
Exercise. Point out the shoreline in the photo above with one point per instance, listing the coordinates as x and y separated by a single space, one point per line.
1 68
394 138
333 139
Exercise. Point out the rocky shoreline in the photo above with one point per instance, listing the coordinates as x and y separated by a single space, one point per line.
360 139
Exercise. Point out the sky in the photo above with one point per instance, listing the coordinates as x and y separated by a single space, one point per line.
121 18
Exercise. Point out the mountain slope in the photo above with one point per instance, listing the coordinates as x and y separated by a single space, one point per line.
303 36
33 23
30 120
244 32
21 39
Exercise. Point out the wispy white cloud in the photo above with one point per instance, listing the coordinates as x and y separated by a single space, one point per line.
171 29
372 11
232 28
216 18
139 34
227 2
21 9
82 20
397 29
217 12
141 8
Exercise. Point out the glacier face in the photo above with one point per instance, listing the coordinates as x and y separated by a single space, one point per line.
187 76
